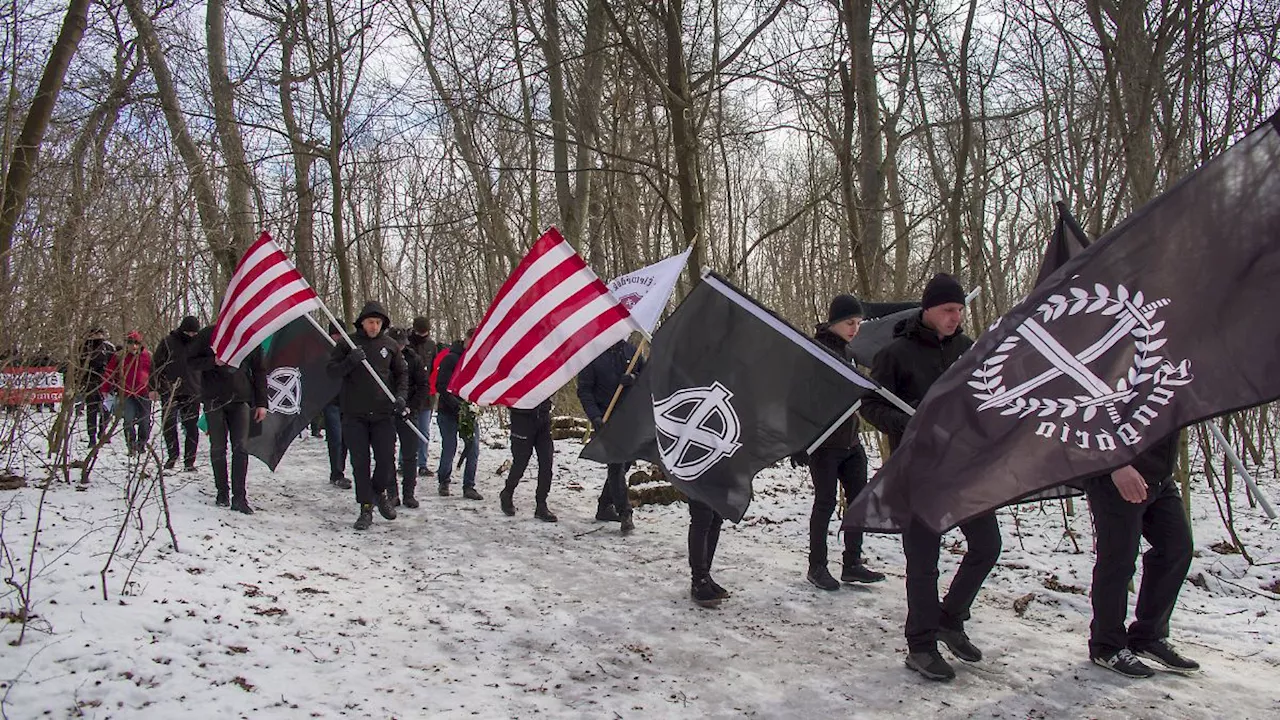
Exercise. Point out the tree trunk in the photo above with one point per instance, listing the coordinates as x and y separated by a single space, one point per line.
240 215
304 249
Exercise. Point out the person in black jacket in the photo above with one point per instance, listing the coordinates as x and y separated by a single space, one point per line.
530 431
231 397
333 426
839 459
368 415
422 344
924 346
177 387
419 397
597 383
94 356
452 415
1136 501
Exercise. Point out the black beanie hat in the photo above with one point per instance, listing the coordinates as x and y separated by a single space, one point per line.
420 324
189 324
940 290
843 307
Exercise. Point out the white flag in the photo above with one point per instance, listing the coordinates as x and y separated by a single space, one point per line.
646 291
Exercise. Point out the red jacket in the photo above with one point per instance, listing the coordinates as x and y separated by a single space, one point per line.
127 374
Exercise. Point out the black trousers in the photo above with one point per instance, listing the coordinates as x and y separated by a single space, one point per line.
408 457
615 491
925 614
827 467
229 426
522 449
185 411
704 535
1118 527
96 419
361 435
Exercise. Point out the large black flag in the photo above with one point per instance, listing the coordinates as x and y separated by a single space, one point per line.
1165 321
298 388
729 389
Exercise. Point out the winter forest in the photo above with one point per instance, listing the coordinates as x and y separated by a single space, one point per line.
410 151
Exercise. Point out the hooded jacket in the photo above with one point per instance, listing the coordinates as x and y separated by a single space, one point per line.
172 375
360 395
450 404
128 373
598 381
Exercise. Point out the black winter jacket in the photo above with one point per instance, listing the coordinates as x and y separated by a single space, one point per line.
845 436
171 373
527 424
94 356
598 381
419 397
425 348
223 384
908 367
360 395
450 404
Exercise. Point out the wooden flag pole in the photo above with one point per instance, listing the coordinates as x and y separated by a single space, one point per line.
617 392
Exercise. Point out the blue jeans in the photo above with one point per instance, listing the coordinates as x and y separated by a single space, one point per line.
137 422
333 438
449 445
424 426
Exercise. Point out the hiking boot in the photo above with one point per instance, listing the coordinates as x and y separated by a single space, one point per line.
607 513
821 578
423 471
508 504
627 524
241 505
931 665
543 513
471 493
703 592
860 574
340 481
1123 662
223 499
366 517
1161 652
410 501
721 593
189 467
394 499
385 508
959 645
444 489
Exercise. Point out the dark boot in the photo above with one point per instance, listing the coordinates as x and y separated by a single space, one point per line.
410 484
821 578
223 499
241 505
607 513
385 508
627 524
931 665
507 502
543 513
366 517
860 573
703 592
444 489
471 493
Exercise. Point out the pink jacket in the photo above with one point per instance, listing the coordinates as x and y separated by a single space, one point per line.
128 374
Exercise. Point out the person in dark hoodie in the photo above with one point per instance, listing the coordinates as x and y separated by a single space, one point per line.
333 427
422 344
839 459
368 415
452 417
419 396
597 383
924 346
178 389
94 356
233 397
530 431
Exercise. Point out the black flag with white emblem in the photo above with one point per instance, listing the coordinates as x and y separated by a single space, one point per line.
729 389
298 388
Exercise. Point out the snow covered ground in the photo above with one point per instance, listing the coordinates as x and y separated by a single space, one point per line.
455 610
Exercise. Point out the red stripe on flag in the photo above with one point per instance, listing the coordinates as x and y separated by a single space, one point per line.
237 276
561 355
549 240
247 306
245 346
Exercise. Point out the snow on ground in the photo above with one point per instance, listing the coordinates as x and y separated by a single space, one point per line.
455 610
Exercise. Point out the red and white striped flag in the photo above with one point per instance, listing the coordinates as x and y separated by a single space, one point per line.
551 318
266 293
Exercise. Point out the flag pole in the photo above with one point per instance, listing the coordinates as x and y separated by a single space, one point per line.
1239 465
351 343
323 332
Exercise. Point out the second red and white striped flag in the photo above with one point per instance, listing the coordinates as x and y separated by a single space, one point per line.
551 318
266 293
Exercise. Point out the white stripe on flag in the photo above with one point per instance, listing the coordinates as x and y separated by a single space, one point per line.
268 303
248 264
620 330
535 272
242 350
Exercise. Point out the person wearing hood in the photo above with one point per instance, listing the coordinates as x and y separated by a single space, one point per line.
233 397
95 354
128 374
455 418
177 387
924 346
405 424
368 415
839 459
333 426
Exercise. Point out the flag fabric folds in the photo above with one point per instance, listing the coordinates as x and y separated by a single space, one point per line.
266 293
646 291
298 388
728 390
550 319
1165 321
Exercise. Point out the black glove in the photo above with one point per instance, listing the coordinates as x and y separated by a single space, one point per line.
627 380
800 459
596 424
356 356
401 407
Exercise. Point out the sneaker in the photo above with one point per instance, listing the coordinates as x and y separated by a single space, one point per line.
507 503
821 578
543 513
189 467
721 593
340 482
703 592
385 508
627 524
423 471
444 489
1125 663
241 505
958 643
366 517
860 574
471 493
223 499
410 501
607 513
1161 652
931 665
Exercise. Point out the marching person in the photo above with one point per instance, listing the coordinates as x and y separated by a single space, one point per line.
597 383
178 390
233 397
839 459
456 419
418 398
924 346
128 375
333 427
368 415
704 536
1139 500
425 348
530 431
95 354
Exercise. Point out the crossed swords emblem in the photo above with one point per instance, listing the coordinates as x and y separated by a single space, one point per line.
677 436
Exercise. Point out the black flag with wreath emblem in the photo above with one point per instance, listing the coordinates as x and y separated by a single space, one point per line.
1165 321
298 388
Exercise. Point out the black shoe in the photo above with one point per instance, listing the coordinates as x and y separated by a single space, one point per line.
1123 662
703 592
171 463
1161 652
607 513
410 501
223 500
508 504
423 471
385 508
860 574
366 517
543 513
931 665
471 493
394 499
821 578
340 482
189 467
721 593
958 643
444 489
627 524
241 505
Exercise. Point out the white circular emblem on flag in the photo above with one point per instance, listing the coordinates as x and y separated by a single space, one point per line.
284 391
696 428
1056 384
